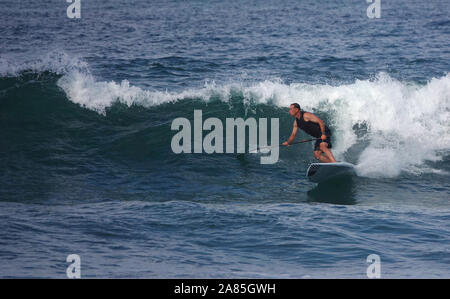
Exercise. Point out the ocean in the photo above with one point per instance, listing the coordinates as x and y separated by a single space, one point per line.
87 107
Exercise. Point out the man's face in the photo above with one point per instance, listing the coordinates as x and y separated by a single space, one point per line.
293 111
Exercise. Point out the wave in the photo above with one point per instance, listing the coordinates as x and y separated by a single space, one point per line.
405 124
401 125
55 61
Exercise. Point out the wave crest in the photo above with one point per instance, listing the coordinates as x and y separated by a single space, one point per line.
405 124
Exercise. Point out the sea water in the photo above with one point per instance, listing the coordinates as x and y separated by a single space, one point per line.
87 168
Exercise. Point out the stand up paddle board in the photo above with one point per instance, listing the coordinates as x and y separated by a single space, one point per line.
319 172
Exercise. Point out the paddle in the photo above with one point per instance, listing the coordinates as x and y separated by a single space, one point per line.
295 142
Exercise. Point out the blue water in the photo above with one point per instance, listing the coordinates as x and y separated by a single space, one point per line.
86 165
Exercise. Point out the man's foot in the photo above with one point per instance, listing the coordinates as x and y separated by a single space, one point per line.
322 158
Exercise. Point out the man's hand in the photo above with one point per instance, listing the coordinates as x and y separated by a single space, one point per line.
323 137
285 143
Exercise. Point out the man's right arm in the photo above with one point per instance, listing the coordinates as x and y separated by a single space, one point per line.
293 134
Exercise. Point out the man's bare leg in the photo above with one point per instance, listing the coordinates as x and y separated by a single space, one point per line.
326 151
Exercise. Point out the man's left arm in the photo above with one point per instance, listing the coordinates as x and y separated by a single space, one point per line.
311 117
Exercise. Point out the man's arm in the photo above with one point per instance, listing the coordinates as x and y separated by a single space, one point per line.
311 117
293 134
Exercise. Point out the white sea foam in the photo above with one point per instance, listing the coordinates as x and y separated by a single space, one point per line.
407 123
54 61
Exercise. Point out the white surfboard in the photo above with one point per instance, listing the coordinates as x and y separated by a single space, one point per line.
319 172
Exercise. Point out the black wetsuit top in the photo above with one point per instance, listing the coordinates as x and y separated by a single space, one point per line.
311 128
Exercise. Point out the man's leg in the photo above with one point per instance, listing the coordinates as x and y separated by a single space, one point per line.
324 148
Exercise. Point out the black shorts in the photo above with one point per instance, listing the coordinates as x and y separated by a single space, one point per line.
318 142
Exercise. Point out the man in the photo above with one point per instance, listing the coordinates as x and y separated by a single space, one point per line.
315 127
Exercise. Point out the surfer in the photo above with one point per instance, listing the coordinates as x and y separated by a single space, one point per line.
315 127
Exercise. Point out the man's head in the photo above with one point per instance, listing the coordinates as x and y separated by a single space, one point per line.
294 109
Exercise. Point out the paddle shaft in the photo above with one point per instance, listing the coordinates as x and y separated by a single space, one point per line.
296 142
304 140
